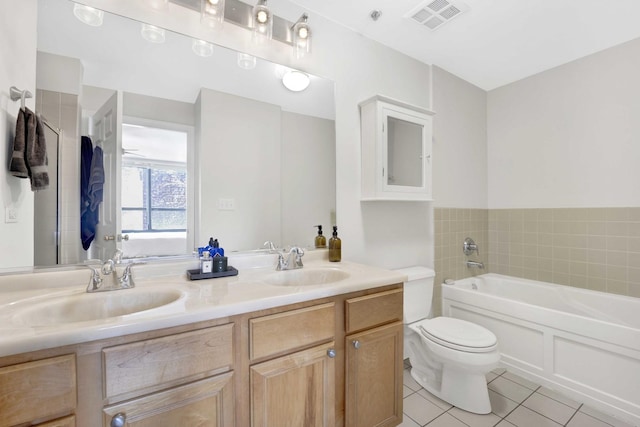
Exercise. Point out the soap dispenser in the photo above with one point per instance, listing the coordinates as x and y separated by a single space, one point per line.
335 246
321 241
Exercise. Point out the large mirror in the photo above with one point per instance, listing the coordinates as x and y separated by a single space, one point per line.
192 145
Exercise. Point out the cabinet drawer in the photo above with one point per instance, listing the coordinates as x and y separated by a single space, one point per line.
295 329
373 310
62 422
149 365
37 390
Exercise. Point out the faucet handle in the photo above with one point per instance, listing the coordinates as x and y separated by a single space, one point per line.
269 245
96 280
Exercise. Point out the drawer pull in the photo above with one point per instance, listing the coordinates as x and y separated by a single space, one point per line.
331 353
356 344
118 420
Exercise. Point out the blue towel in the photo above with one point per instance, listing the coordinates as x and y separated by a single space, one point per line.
96 179
86 155
88 218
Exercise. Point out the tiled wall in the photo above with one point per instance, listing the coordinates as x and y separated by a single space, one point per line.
452 226
593 248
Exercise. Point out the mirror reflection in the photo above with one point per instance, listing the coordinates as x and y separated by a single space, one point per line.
193 146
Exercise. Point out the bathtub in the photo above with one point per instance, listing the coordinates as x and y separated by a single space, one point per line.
584 344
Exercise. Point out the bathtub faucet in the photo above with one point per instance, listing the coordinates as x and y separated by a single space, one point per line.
475 264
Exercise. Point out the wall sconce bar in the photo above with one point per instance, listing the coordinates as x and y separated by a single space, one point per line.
239 13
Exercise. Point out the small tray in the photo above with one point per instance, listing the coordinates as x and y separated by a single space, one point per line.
196 275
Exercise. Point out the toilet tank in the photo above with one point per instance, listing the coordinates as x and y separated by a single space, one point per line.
418 293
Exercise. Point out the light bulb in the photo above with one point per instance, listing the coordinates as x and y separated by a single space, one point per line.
88 15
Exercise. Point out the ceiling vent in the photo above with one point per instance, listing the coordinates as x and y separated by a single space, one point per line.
435 13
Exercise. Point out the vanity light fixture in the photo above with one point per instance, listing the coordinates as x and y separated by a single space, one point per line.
296 81
88 15
246 61
202 48
152 34
301 37
262 22
212 13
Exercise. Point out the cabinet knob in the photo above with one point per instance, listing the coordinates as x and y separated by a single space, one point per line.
356 344
118 420
331 353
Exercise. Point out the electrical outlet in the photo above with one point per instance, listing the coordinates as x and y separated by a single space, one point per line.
10 215
226 204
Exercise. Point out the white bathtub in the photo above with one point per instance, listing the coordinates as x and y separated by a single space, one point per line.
585 344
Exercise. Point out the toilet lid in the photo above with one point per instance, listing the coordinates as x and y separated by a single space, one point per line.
458 334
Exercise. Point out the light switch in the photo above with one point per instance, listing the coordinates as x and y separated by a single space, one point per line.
226 204
10 215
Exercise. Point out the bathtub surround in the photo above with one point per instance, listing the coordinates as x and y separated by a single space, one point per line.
590 248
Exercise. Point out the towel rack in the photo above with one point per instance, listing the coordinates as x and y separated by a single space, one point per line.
19 94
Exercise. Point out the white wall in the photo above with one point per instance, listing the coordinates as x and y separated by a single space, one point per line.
239 159
385 234
308 177
570 136
17 22
460 142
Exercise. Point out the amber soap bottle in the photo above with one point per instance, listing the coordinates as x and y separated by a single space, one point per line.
335 246
321 241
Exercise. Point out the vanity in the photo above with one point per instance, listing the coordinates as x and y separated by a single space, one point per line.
318 346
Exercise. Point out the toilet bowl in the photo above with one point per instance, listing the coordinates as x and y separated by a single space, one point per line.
449 357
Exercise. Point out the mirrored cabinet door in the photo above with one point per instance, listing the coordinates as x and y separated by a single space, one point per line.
396 150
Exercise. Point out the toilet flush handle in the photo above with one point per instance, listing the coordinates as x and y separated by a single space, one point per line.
356 344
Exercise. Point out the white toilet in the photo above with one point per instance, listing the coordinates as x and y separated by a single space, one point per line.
449 357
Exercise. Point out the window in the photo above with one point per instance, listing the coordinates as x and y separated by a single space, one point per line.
154 180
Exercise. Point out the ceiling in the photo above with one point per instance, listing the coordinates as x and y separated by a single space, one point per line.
494 42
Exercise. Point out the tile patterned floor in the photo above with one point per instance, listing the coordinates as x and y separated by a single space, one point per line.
516 402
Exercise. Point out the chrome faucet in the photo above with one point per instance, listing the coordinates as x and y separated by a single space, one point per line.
99 274
293 261
475 264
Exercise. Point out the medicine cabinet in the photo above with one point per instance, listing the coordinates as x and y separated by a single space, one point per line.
396 150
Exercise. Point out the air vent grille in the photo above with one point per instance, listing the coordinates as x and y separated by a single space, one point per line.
435 13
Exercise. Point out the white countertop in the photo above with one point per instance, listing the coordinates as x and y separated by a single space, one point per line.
200 300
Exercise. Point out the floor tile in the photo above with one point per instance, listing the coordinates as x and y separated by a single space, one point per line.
406 391
420 409
408 422
558 397
509 389
499 371
491 376
583 420
409 381
446 420
550 408
603 417
500 405
474 420
435 400
519 380
525 417
505 423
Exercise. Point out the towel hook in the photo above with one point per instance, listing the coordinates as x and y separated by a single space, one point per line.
22 95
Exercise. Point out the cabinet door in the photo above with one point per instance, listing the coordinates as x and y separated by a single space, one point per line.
207 402
373 377
295 390
406 152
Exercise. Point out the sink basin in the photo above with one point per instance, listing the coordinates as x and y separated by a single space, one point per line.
306 277
82 307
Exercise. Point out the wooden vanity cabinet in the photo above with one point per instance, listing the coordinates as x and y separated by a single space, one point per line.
293 388
373 367
159 381
294 365
38 392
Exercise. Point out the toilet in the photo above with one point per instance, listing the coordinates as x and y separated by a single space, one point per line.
449 357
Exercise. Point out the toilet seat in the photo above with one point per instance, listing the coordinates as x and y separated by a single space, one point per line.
458 334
